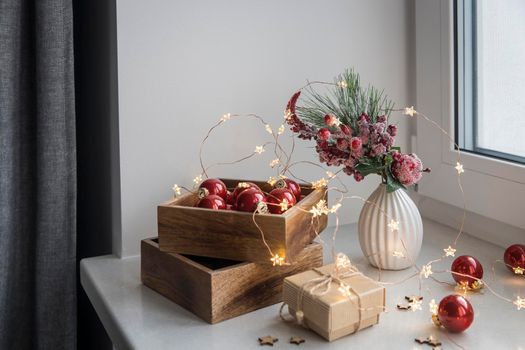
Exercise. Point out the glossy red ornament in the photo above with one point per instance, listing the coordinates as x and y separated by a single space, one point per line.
280 200
291 185
241 186
467 265
213 186
455 313
515 257
212 201
323 134
249 199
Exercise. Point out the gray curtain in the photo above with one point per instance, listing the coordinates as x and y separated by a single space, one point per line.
37 176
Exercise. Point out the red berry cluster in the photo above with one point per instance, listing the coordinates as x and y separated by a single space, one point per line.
248 197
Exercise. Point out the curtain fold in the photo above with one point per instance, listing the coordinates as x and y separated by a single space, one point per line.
37 176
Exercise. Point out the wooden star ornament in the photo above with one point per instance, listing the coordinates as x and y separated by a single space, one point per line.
430 340
267 340
296 340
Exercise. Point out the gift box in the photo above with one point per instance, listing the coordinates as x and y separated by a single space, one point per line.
230 234
333 305
219 289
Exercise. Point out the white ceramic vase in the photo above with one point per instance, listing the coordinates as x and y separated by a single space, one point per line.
385 246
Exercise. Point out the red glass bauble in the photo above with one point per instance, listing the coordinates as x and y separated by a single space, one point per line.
249 199
467 265
241 186
515 256
291 185
455 313
280 200
212 201
213 186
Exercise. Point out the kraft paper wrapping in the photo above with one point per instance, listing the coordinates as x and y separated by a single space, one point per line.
333 314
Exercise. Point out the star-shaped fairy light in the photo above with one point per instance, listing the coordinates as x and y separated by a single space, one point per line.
520 303
410 111
433 307
274 162
426 270
226 117
271 180
335 207
416 304
176 190
342 261
268 128
197 179
459 168
259 149
393 225
320 184
287 114
342 84
398 254
345 290
330 174
280 130
450 251
319 208
284 205
518 270
277 260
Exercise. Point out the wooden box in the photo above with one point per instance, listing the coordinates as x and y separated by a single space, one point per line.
217 289
233 235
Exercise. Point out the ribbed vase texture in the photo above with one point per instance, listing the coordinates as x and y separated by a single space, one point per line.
384 247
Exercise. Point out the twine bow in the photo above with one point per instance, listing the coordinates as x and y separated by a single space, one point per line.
321 285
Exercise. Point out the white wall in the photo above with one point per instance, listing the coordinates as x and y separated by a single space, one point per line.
182 64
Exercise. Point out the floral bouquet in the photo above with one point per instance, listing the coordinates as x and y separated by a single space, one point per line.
351 129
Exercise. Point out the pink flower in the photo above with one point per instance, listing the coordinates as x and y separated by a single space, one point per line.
346 129
377 150
356 144
381 118
330 119
324 134
407 168
357 176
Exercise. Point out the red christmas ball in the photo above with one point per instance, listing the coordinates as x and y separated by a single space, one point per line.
241 186
467 265
212 201
213 186
249 199
455 313
323 134
514 257
280 200
291 185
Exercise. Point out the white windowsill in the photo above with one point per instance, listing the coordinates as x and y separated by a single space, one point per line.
136 317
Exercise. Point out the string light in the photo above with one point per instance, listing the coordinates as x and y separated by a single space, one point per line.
277 260
280 130
393 225
197 180
459 168
518 270
176 189
342 84
287 114
268 129
433 307
520 303
426 270
319 184
284 205
225 117
330 174
271 180
345 290
259 149
416 304
342 261
450 251
410 111
274 162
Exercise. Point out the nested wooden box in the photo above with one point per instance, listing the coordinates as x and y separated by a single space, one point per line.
217 289
233 235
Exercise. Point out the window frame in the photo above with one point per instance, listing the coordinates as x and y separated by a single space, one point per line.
466 35
494 188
